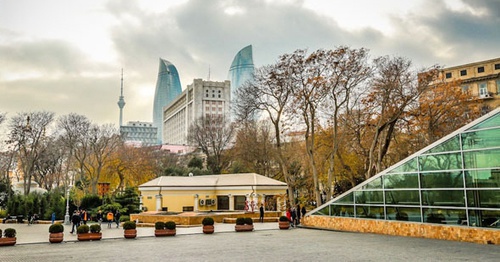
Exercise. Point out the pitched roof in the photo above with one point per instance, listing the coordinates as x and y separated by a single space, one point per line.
244 179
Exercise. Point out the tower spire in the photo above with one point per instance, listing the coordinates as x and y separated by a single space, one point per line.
121 101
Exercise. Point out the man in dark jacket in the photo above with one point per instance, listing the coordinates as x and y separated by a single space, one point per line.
75 219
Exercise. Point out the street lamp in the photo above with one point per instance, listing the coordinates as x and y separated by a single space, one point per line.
66 217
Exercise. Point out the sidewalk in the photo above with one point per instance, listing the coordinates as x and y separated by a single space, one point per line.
39 233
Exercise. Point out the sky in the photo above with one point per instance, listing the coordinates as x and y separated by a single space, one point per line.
66 56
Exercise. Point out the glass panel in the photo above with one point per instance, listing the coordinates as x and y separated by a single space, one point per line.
484 218
370 212
482 159
347 199
483 178
409 166
401 180
342 210
445 216
483 198
443 198
493 121
403 213
369 197
452 144
325 211
481 139
441 162
402 197
375 184
239 202
442 180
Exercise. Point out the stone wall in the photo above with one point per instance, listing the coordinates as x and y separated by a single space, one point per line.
195 218
411 229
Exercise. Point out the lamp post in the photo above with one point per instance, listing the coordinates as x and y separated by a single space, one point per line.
66 217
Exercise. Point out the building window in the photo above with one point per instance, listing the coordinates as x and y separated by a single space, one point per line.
497 66
219 96
480 69
239 202
498 87
463 72
483 90
465 88
206 95
448 75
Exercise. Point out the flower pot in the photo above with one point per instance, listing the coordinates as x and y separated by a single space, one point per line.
284 224
165 232
208 229
56 237
7 241
243 228
130 233
89 236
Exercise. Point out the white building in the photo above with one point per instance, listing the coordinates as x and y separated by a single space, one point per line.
201 98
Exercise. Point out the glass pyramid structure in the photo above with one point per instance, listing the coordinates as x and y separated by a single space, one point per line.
454 181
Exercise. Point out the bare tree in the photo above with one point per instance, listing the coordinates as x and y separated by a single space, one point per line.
212 134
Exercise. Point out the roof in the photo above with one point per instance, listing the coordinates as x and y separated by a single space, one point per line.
243 179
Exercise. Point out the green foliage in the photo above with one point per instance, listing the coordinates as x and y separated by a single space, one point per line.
3 213
56 228
248 220
208 221
82 229
5 192
129 225
283 219
36 203
90 202
240 221
196 162
124 218
160 225
129 200
170 225
95 228
9 232
0 232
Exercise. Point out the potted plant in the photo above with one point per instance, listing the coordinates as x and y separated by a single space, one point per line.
86 233
56 233
170 228
208 225
284 223
9 238
244 224
129 230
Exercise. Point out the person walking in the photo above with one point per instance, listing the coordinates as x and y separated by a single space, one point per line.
53 217
75 219
289 216
117 218
99 217
261 209
298 214
294 216
109 218
303 211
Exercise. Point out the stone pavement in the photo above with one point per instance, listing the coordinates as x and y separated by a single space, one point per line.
267 243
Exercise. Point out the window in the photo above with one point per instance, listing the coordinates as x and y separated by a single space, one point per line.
483 90
463 72
480 69
498 87
465 88
448 75
497 66
239 202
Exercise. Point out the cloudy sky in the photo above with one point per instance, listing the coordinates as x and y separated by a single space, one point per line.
66 56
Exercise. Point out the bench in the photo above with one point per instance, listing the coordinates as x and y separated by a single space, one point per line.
232 220
13 219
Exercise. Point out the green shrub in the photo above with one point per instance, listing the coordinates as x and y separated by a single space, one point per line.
124 218
284 219
248 220
160 225
170 225
95 228
3 213
129 225
208 221
240 221
0 232
56 228
9 232
82 229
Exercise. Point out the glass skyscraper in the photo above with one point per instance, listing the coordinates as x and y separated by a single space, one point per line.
454 181
241 69
168 87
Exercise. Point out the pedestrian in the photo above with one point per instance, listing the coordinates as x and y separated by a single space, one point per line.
53 217
99 217
75 219
289 216
261 209
109 218
298 214
294 216
84 216
117 218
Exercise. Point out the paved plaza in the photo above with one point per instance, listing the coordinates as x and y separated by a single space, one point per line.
267 243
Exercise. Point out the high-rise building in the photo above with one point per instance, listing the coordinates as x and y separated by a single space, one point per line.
138 133
241 69
199 99
168 87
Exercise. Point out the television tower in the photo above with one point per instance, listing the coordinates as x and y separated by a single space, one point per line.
121 101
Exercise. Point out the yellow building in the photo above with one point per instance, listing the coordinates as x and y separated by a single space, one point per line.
481 78
228 192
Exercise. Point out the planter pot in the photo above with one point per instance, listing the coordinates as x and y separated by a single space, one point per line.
165 232
284 224
130 233
89 236
208 229
56 237
243 228
7 241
